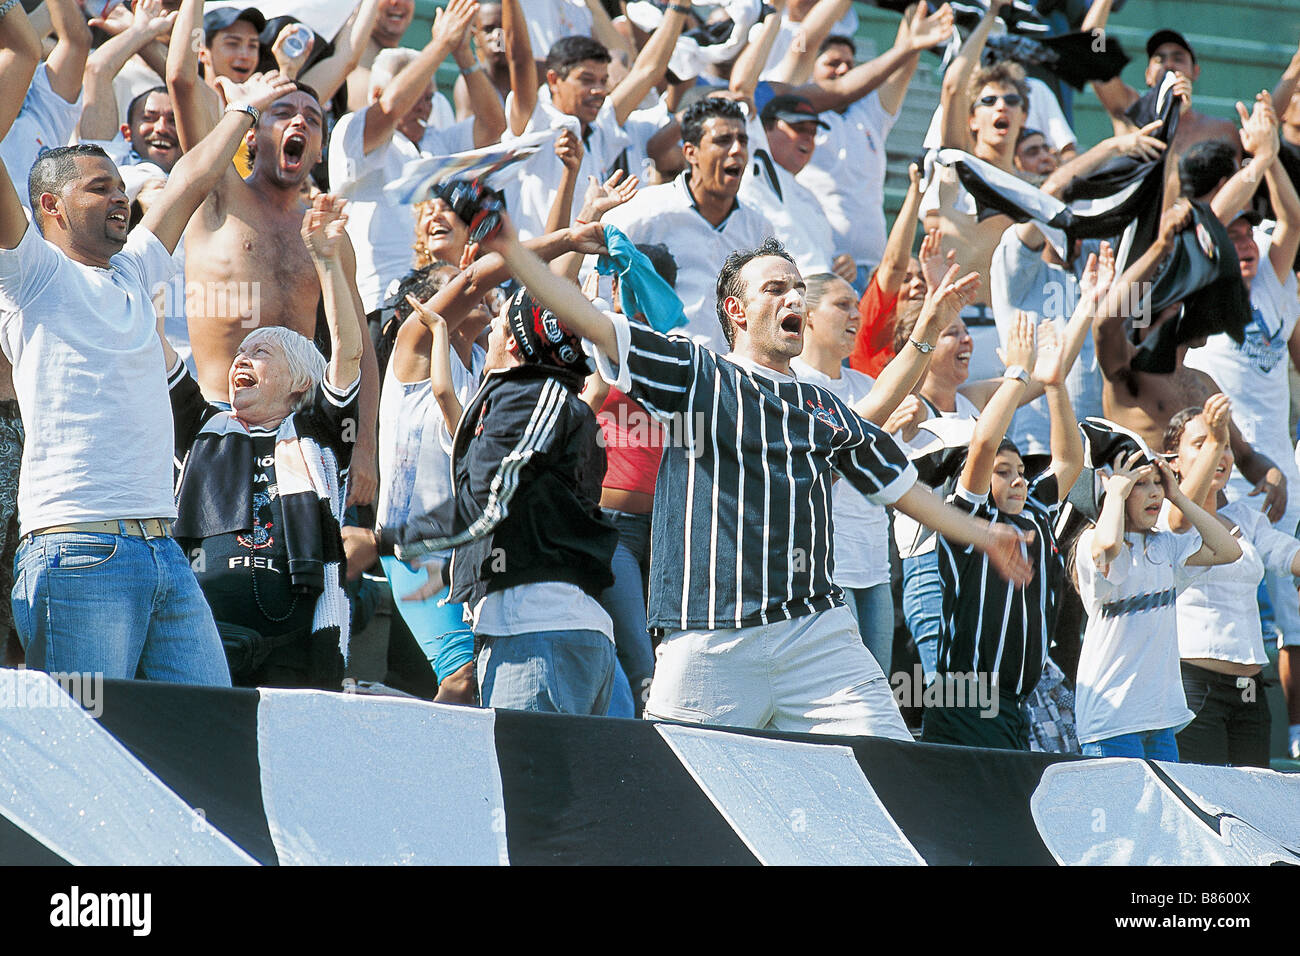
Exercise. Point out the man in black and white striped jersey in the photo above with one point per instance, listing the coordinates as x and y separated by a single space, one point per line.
755 631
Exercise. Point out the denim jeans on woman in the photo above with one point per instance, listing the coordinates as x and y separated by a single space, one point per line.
624 602
873 609
117 605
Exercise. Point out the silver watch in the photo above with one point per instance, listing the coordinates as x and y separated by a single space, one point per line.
1018 373
248 108
923 347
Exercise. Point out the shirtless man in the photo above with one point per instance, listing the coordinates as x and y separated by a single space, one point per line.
1144 402
983 113
244 248
1166 50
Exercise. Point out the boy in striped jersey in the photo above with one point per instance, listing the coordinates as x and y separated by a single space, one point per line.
755 631
993 642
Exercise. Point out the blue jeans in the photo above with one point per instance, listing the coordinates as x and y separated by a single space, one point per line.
873 609
112 604
564 672
624 602
923 607
1151 744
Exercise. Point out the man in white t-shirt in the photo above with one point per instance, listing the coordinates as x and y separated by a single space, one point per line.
370 147
101 585
698 215
847 170
781 146
577 97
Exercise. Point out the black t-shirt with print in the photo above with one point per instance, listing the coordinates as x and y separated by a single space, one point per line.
230 566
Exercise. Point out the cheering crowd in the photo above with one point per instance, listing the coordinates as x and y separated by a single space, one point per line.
635 406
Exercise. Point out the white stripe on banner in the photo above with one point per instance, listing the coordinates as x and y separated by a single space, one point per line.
69 784
1117 812
792 803
1264 799
352 779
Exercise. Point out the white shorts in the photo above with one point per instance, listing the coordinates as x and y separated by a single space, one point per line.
812 674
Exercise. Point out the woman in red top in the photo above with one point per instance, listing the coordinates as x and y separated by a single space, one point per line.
897 281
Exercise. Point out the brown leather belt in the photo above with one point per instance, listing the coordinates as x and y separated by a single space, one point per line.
132 527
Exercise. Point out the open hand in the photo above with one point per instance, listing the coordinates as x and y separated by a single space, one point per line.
322 226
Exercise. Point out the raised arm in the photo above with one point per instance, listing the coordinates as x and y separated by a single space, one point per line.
328 75
1286 206
401 94
322 233
753 58
568 147
444 392
1108 537
1259 137
1114 350
20 54
943 303
1066 446
797 65
892 271
200 170
650 63
995 418
67 62
843 91
99 119
1198 476
1218 546
484 102
559 295
522 67
196 104
1115 95
1286 85
954 98
916 30
1003 544
602 29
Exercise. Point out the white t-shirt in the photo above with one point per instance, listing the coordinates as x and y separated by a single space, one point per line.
667 214
861 529
382 231
640 126
540 606
88 370
1217 614
794 212
847 173
415 444
1254 374
1129 678
551 20
847 26
913 538
45 121
530 194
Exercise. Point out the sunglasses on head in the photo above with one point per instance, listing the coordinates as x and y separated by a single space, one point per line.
1011 99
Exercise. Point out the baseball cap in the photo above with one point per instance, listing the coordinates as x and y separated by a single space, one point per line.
792 109
1160 37
214 21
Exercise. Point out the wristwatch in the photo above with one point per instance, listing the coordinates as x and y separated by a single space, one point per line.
923 347
1018 373
248 108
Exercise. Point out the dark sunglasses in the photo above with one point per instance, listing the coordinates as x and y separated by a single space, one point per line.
1011 99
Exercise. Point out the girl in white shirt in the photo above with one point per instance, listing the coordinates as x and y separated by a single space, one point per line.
1219 636
1129 697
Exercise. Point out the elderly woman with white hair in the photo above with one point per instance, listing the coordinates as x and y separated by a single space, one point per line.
262 486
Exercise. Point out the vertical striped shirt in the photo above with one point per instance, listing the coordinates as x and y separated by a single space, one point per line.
989 626
742 526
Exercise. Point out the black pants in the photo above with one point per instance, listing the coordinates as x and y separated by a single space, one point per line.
1232 721
969 726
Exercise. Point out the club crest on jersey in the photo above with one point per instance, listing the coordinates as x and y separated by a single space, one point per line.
822 413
